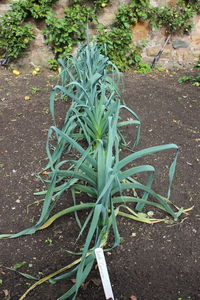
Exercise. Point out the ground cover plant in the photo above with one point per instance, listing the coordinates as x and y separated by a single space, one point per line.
194 79
86 159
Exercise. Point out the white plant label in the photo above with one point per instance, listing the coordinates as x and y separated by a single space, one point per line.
104 273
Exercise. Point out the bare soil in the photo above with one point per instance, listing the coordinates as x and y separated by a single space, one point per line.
154 262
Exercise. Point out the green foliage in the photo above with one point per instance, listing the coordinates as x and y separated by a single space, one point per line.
143 68
64 33
86 159
14 36
174 19
96 4
35 8
34 90
195 79
194 4
99 4
128 15
53 64
119 50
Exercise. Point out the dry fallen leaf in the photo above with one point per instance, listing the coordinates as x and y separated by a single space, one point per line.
6 294
16 72
45 173
34 73
2 272
37 69
133 234
27 98
133 298
176 121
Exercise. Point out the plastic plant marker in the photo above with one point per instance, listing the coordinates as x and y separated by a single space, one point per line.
104 273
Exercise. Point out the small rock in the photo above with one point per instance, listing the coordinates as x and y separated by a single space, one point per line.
133 234
179 44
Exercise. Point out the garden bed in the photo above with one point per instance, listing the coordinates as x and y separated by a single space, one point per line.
154 262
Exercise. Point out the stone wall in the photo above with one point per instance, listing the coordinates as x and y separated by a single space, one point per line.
180 51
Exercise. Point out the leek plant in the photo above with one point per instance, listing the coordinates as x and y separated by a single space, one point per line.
86 159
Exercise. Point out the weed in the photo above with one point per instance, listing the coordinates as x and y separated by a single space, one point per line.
45 110
143 68
53 64
34 90
195 80
49 241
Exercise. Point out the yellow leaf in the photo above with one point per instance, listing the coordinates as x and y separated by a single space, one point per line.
27 98
45 173
176 121
59 70
34 73
103 4
16 72
37 69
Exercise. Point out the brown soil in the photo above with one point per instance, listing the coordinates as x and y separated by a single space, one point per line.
155 262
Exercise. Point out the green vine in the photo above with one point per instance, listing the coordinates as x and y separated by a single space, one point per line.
194 4
62 34
176 19
119 50
96 4
129 15
15 36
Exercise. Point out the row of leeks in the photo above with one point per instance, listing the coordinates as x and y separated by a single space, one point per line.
92 135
